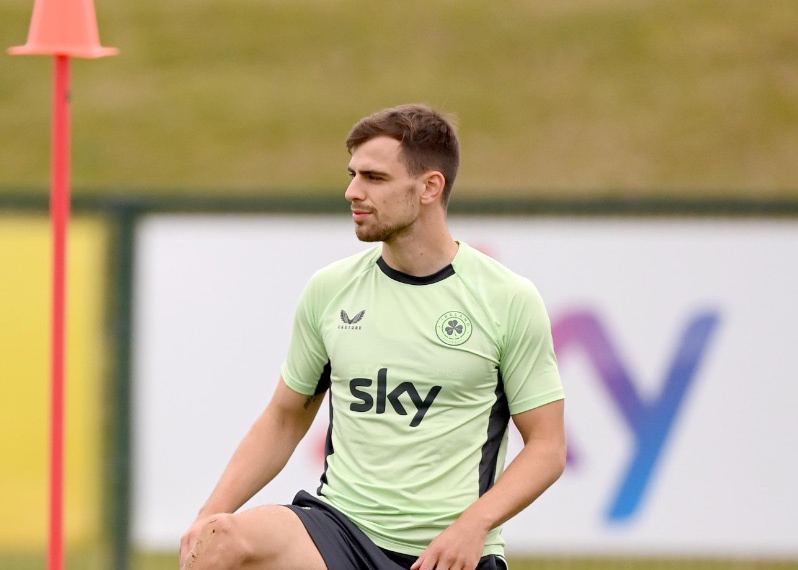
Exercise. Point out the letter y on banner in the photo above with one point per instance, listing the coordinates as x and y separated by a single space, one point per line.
649 421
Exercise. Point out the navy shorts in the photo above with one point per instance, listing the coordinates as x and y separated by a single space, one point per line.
343 546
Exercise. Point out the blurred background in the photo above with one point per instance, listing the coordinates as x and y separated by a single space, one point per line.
637 159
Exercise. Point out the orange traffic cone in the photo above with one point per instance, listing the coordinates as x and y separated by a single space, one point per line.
64 27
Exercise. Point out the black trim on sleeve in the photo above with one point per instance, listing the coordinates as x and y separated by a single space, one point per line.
497 426
408 279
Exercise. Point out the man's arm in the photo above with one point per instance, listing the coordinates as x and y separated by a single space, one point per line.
260 456
539 464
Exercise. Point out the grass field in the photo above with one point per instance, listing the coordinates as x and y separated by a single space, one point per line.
169 562
555 97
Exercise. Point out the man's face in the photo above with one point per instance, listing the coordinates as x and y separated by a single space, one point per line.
384 196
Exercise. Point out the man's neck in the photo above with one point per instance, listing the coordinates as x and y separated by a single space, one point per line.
421 257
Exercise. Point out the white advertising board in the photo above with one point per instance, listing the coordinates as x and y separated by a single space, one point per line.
676 346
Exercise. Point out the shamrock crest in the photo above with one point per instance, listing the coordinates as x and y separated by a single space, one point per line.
454 326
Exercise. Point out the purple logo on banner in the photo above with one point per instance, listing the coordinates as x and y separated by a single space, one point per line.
649 421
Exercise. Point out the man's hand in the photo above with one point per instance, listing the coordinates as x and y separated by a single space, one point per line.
459 547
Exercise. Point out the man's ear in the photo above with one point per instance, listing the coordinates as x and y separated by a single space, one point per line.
434 182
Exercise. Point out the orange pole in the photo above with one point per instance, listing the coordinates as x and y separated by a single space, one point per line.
64 29
59 209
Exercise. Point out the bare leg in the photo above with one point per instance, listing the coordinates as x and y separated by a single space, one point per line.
264 538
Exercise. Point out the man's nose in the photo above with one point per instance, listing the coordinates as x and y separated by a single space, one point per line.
354 191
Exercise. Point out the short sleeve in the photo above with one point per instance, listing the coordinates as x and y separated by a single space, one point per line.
306 369
528 364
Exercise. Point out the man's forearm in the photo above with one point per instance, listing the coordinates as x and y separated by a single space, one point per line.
258 459
539 464
260 456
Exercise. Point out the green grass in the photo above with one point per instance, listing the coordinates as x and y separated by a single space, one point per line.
142 561
556 97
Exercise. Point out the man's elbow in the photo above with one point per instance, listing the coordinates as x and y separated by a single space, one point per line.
561 460
557 453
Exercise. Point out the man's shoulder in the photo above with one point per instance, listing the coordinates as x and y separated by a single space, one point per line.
485 273
345 269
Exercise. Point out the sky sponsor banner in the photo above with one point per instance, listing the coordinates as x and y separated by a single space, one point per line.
673 336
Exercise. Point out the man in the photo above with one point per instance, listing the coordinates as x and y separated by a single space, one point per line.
427 347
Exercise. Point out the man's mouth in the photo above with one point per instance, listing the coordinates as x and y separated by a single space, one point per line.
359 214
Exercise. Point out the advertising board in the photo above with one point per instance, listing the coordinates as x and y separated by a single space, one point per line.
674 338
25 257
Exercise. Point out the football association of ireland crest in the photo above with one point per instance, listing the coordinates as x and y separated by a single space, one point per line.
453 328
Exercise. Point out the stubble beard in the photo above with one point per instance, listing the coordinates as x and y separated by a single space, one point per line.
381 232
386 233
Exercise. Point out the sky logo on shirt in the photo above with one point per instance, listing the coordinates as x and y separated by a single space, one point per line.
366 401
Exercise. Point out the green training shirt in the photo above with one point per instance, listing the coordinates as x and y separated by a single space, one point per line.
424 374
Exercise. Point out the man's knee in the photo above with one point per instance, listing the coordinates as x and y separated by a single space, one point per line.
221 545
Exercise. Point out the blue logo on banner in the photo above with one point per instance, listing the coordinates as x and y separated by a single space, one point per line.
650 421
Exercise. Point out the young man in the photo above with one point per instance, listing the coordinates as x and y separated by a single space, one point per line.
427 348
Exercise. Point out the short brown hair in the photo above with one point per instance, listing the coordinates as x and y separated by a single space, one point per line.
428 140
